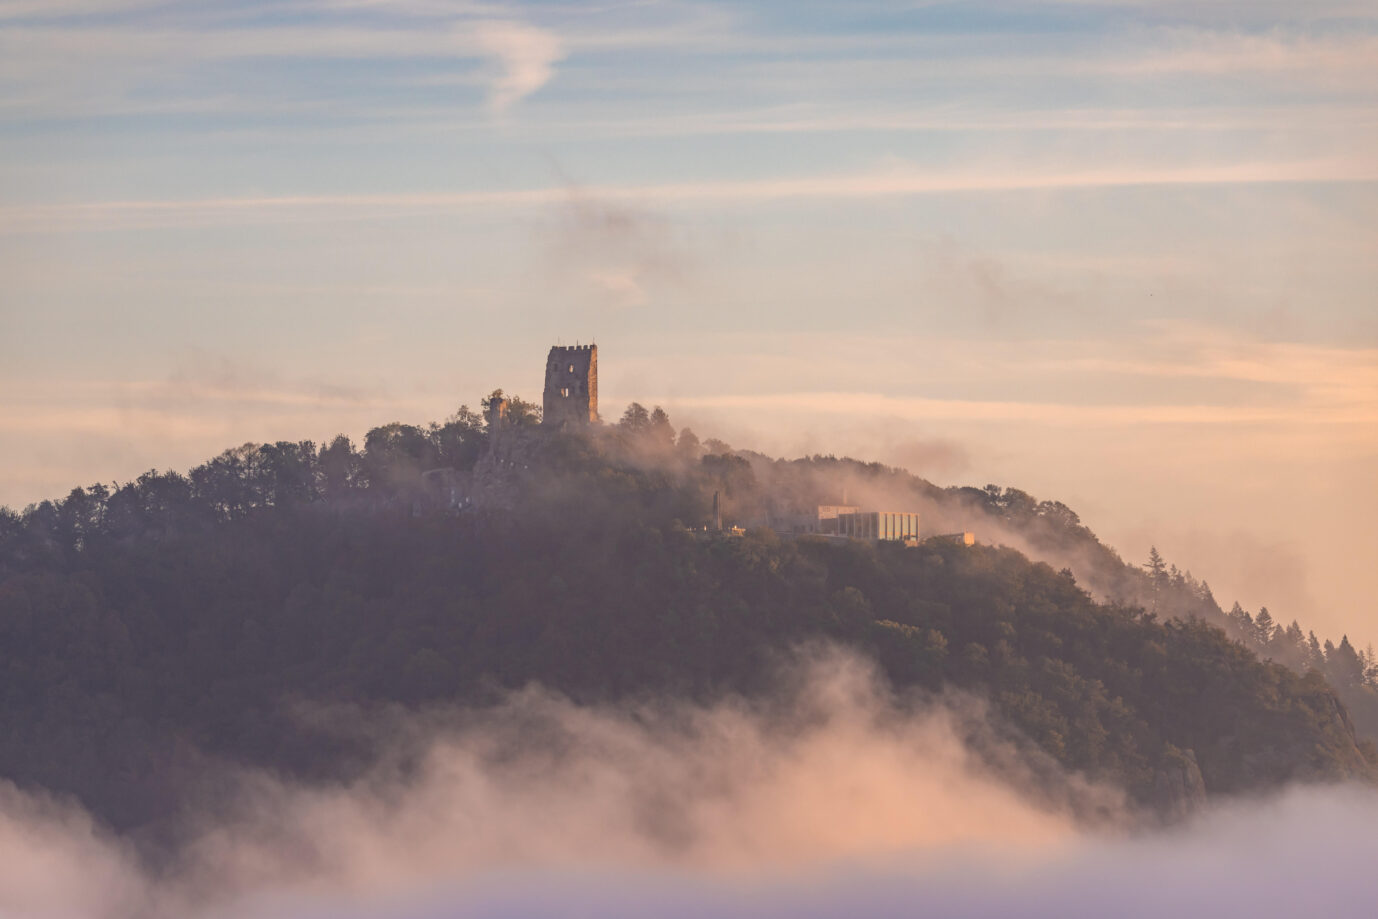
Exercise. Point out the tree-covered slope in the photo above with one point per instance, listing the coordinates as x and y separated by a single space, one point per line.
154 634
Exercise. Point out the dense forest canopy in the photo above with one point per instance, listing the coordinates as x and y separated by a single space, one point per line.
159 631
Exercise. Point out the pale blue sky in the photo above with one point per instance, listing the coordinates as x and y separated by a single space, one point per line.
1118 253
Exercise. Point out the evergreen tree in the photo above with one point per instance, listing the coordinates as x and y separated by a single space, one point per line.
1264 627
1315 658
1207 597
1157 568
1344 666
1243 623
1294 645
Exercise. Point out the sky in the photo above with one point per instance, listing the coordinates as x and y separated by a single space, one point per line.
1119 254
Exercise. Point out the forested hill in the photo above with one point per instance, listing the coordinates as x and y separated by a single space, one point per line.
157 632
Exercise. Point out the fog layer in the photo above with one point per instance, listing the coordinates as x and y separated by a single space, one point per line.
1307 852
833 799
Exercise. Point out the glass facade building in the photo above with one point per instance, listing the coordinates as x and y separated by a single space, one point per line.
887 525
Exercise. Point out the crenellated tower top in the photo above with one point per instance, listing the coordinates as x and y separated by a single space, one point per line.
571 385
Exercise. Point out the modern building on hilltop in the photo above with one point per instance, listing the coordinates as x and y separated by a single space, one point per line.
822 522
887 525
571 386
851 522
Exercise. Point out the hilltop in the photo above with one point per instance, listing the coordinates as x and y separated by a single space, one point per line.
157 634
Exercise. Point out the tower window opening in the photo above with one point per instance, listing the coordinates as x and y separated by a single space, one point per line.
565 392
571 368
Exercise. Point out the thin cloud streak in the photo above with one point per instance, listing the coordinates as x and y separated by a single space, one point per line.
878 63
1203 52
40 57
876 184
56 9
799 119
1053 413
1330 386
1339 374
40 54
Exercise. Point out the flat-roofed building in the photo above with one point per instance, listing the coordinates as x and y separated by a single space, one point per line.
850 522
828 516
880 525
822 521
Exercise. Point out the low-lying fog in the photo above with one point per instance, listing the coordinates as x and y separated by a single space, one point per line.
834 799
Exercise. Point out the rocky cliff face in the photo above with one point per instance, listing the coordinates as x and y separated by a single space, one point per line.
1178 787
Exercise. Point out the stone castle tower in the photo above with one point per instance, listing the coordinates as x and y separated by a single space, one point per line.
571 386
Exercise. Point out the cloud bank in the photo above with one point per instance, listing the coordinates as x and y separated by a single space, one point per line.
1304 853
836 799
834 771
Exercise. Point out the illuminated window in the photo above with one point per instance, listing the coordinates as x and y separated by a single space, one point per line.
565 393
571 368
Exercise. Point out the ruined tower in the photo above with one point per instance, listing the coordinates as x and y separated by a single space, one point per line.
571 386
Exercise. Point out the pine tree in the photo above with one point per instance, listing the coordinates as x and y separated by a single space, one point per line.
1295 643
1315 659
1264 627
1207 597
1243 623
1157 568
1346 669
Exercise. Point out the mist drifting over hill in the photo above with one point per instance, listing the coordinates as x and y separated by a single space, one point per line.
836 801
992 532
480 666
